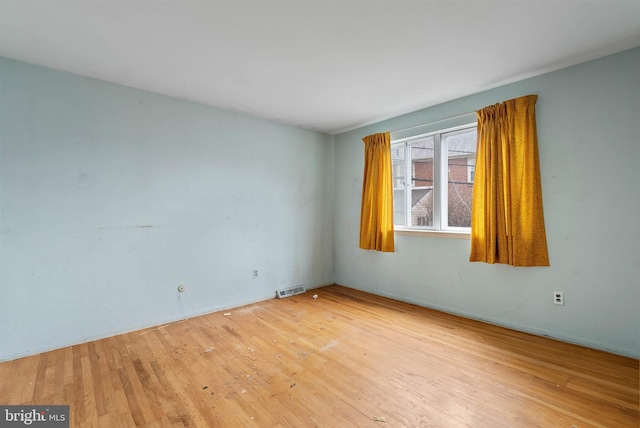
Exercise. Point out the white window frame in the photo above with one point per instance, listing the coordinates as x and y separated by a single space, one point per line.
440 227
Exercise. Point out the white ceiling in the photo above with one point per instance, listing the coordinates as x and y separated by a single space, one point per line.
322 65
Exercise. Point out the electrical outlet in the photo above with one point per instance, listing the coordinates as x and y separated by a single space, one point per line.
255 273
558 298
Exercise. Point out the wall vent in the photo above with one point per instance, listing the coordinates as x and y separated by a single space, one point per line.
291 291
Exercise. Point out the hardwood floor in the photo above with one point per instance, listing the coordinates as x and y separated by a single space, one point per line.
341 360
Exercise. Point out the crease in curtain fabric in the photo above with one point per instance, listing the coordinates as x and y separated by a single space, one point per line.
376 215
507 224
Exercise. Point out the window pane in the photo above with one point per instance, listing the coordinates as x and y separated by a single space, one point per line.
461 154
398 207
422 182
397 158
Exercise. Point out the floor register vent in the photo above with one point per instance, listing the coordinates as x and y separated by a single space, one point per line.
291 291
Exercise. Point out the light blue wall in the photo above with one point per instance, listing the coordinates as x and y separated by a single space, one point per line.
111 197
589 141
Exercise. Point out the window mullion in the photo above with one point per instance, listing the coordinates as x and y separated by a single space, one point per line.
408 183
437 194
443 179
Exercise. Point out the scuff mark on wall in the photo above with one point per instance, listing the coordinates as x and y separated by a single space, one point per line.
142 226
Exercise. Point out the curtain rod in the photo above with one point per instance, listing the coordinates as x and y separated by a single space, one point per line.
434 122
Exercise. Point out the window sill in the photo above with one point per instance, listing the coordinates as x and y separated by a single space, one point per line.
450 234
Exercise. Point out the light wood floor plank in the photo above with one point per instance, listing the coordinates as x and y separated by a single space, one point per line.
340 360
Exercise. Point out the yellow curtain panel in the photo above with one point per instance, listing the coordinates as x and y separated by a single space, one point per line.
507 224
376 215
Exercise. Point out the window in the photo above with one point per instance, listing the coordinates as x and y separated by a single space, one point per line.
433 179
